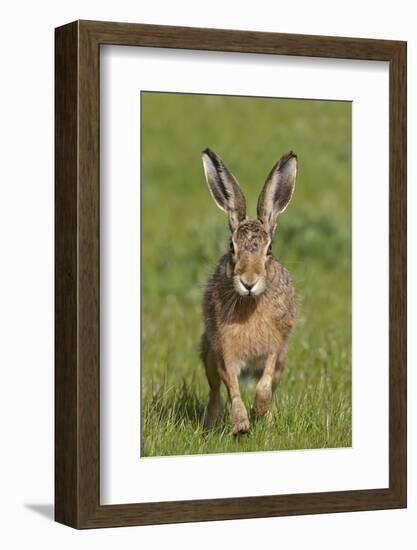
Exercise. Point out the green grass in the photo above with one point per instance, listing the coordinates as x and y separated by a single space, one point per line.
184 234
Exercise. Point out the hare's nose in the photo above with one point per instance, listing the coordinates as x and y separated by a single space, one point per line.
247 285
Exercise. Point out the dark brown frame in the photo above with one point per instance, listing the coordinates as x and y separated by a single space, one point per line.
77 274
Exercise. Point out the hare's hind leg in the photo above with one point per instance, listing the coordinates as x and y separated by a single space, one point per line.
265 389
215 407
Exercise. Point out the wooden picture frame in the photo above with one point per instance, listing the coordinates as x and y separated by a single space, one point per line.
77 373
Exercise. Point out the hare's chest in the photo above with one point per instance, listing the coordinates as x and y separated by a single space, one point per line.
251 339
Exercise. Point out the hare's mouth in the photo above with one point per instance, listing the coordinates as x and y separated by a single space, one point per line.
245 289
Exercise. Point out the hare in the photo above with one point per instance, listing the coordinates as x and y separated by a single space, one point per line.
249 301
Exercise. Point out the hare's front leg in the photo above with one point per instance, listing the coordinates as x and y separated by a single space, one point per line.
268 382
229 374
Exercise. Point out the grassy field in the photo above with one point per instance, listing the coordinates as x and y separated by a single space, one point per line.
184 234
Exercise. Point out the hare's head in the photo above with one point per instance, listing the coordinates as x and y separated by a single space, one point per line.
250 259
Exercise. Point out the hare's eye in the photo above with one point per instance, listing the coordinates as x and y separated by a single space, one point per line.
269 252
232 248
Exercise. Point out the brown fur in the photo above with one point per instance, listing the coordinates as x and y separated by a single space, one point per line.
241 329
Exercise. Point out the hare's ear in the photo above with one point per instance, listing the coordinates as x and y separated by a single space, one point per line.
224 188
277 191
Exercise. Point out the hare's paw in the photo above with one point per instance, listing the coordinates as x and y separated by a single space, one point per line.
263 397
240 418
261 407
269 415
241 426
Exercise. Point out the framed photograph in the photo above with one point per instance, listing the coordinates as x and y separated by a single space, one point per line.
230 274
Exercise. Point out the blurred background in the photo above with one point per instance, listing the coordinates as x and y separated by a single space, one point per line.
184 234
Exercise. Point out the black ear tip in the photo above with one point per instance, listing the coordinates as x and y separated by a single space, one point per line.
209 152
285 158
215 159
